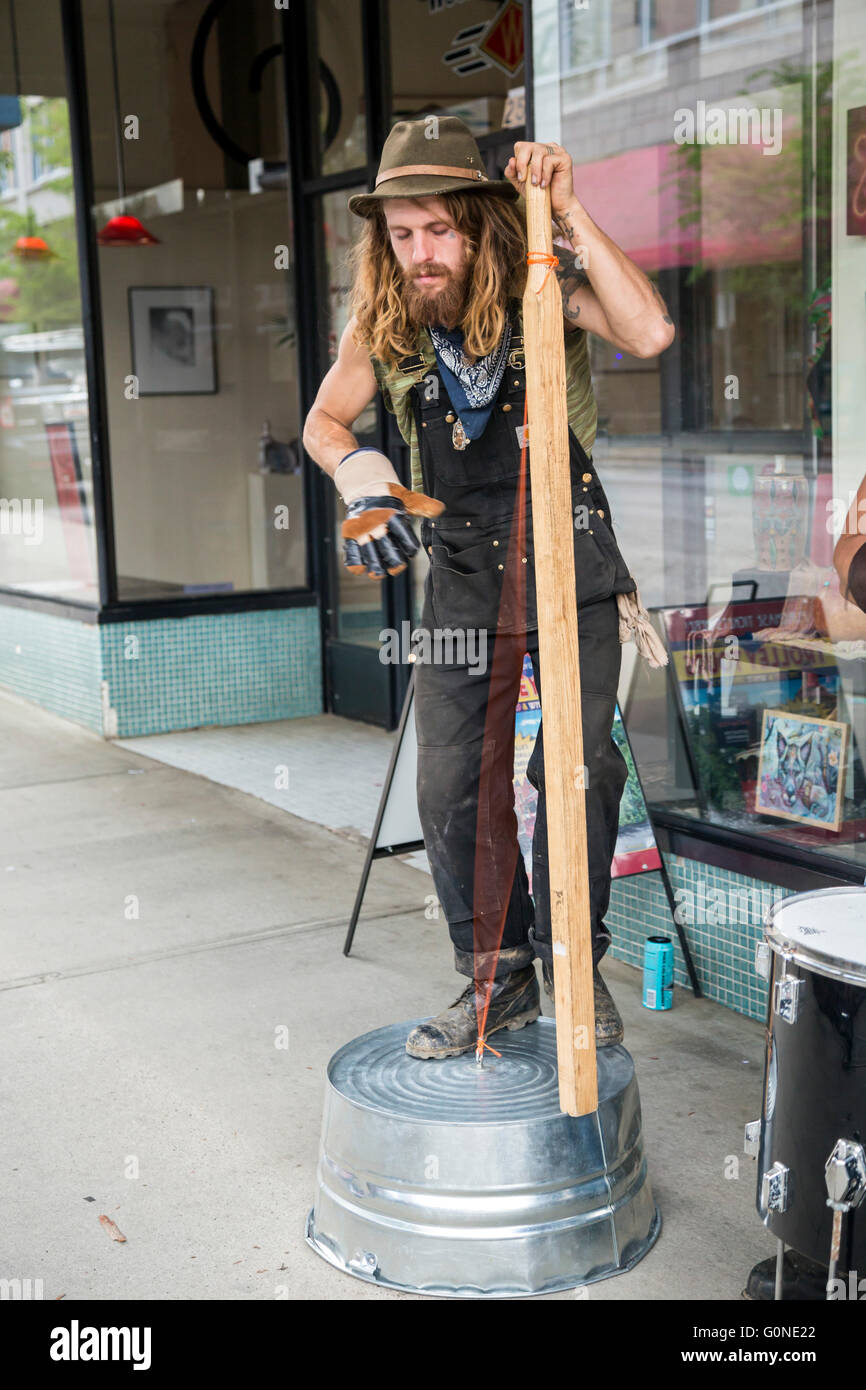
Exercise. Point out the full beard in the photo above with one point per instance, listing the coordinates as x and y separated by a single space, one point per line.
446 308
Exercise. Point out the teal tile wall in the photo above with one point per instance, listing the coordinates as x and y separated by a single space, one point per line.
124 679
729 909
55 662
230 668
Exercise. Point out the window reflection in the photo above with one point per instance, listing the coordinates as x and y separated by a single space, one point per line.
47 543
359 616
725 458
199 328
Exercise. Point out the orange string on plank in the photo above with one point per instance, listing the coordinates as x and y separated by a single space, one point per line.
542 258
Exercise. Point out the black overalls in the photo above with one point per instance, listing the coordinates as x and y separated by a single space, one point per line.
465 719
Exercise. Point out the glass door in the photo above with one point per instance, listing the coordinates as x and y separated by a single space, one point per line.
354 67
359 608
336 74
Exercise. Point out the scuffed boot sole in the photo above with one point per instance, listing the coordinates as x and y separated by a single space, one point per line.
513 1025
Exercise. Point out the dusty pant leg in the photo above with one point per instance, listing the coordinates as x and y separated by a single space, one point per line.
465 729
606 775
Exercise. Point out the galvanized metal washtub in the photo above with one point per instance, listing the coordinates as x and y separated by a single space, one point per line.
446 1178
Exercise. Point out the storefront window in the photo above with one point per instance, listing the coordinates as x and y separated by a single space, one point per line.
199 327
465 60
47 543
731 459
360 615
341 93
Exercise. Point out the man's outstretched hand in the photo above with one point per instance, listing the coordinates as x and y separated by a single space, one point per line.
377 538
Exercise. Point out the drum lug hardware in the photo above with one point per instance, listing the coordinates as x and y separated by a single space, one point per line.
786 998
845 1175
762 960
774 1188
752 1138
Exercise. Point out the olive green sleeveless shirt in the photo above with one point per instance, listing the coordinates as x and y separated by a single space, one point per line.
396 393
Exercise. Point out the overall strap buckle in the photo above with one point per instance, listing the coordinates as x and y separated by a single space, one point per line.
516 353
413 362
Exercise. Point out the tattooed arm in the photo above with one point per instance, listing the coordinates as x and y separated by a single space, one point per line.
605 293
572 277
620 304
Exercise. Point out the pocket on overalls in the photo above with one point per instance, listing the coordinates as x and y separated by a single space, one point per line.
595 563
492 458
467 580
594 525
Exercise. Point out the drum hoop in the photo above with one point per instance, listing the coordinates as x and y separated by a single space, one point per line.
830 966
834 892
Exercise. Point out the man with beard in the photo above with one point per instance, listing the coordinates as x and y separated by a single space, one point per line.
439 276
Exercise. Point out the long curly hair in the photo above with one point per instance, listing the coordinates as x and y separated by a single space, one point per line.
495 230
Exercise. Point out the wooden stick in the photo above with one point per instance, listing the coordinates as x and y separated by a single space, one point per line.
564 775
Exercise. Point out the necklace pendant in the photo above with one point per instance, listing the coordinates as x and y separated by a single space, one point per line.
459 437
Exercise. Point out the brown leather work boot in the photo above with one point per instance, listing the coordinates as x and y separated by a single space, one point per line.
608 1024
514 1002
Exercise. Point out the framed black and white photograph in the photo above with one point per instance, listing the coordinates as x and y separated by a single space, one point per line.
172 333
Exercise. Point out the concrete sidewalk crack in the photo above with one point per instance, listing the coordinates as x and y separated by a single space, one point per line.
220 943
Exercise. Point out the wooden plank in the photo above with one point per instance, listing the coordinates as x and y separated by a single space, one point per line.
558 646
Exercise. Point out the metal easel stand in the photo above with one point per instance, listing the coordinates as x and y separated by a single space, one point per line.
666 883
683 940
375 851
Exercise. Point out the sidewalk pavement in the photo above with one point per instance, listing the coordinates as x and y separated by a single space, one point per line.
158 929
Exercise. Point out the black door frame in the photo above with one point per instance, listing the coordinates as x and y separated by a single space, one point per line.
354 681
377 691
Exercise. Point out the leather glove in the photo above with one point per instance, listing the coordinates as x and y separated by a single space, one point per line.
377 537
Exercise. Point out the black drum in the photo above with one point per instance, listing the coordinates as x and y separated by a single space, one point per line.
814 955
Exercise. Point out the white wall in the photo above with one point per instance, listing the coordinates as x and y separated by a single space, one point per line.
179 464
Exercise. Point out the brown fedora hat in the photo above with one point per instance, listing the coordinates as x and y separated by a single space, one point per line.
426 156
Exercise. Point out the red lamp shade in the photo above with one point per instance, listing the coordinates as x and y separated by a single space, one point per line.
32 248
125 231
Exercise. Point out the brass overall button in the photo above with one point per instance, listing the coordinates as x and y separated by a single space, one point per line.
506 406
587 477
600 512
449 419
500 567
495 542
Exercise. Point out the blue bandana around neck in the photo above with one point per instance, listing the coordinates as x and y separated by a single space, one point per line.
471 387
